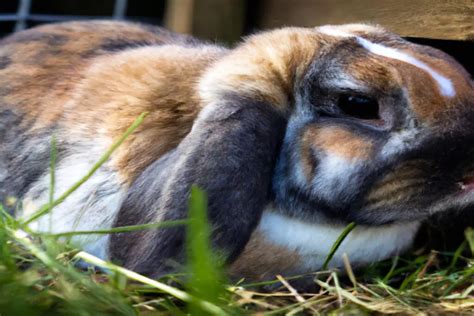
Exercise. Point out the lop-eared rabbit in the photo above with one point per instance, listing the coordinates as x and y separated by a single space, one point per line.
293 133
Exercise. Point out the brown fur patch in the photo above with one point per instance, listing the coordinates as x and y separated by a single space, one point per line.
335 140
47 62
157 80
262 260
266 67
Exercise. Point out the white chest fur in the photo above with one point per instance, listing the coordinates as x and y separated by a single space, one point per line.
313 241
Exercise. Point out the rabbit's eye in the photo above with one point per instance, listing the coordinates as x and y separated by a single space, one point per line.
359 106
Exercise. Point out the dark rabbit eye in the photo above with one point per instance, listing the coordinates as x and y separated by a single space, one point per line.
359 106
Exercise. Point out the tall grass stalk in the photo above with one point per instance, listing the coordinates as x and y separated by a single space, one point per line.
205 268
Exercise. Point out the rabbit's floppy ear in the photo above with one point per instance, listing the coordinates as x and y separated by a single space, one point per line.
232 159
230 153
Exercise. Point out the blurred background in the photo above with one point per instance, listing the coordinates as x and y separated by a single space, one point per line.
446 24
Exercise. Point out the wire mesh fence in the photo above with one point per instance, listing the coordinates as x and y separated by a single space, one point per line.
16 15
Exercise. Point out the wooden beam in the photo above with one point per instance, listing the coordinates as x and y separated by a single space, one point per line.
216 20
221 20
179 15
438 19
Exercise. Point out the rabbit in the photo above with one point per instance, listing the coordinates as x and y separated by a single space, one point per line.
293 134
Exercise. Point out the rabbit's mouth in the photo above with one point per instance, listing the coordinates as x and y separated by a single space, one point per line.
415 197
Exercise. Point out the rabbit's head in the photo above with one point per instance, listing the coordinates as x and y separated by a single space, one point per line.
382 131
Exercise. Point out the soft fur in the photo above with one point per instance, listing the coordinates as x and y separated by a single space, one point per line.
261 127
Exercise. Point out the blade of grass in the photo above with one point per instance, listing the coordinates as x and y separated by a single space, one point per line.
122 229
276 281
52 178
47 207
392 292
315 300
465 278
206 275
291 289
296 295
345 294
469 234
349 271
337 243
457 255
338 289
6 257
392 269
368 290
181 295
72 283
411 279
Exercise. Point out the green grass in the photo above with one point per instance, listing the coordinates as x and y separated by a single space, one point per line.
39 276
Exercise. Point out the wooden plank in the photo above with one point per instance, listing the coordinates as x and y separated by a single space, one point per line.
221 20
438 19
215 20
179 15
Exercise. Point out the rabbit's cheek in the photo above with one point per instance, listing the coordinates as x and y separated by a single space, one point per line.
337 180
332 160
336 141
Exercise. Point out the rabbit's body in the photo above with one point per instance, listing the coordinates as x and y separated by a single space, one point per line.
54 78
313 128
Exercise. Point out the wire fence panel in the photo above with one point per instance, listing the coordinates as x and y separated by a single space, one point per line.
25 15
22 14
120 9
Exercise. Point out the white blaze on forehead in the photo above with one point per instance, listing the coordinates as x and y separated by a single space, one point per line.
445 85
